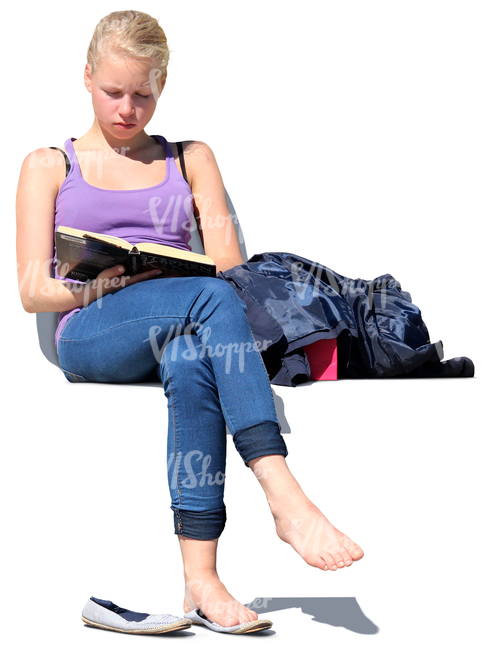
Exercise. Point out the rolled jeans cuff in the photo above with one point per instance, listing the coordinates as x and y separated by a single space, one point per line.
208 524
260 440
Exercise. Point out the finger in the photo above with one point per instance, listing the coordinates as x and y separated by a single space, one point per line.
111 272
115 270
146 275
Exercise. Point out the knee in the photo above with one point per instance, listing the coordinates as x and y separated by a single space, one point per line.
183 356
222 292
181 350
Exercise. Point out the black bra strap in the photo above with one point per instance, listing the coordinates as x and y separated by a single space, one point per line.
182 164
68 166
181 158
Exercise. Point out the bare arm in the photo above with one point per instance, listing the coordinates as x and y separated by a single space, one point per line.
35 204
218 231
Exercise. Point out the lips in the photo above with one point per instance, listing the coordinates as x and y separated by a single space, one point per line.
124 127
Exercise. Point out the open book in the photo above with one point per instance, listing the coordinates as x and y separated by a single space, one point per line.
82 255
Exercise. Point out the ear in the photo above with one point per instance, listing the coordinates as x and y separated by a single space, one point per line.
87 77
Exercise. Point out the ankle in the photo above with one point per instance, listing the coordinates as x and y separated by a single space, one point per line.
276 478
284 492
193 572
281 501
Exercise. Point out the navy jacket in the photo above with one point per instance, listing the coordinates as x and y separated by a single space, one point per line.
292 301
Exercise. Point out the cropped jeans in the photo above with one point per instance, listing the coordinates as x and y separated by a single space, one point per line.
192 334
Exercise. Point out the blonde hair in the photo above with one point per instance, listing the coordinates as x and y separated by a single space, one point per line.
129 34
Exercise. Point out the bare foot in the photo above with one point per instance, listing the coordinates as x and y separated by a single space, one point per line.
205 591
300 523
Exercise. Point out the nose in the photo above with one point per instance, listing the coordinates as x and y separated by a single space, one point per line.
126 106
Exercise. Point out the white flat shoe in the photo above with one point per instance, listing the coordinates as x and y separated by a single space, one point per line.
199 618
108 616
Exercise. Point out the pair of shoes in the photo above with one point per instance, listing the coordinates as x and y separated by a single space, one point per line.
107 616
199 618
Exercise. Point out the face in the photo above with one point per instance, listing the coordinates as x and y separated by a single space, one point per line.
124 92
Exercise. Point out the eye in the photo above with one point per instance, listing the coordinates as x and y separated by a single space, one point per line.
116 93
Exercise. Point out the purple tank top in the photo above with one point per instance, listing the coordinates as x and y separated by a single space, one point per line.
161 214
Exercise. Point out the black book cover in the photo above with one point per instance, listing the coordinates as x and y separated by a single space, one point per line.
83 258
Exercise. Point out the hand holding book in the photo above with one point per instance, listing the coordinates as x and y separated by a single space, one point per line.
109 281
114 278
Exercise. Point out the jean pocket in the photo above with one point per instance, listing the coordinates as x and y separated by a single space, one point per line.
74 379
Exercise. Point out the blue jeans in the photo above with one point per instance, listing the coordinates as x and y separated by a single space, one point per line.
193 335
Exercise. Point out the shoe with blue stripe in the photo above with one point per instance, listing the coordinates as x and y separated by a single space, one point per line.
106 615
199 618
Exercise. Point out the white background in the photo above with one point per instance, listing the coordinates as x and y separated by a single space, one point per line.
355 134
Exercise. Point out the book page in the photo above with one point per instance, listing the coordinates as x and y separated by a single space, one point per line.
172 251
117 241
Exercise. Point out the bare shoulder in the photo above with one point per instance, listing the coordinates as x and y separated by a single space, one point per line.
199 159
199 149
44 165
44 157
194 151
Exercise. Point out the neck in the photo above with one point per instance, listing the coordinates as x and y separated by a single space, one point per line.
99 138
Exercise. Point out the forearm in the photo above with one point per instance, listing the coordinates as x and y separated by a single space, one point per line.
45 294
225 263
41 293
53 295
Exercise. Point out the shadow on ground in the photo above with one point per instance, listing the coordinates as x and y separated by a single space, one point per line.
338 612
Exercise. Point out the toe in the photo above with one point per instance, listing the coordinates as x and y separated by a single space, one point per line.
346 556
330 562
247 615
357 553
339 560
353 549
